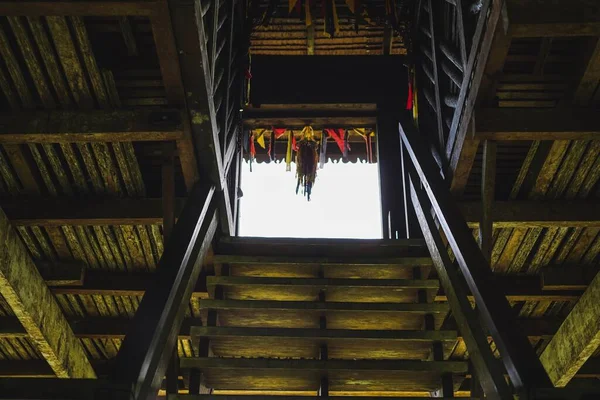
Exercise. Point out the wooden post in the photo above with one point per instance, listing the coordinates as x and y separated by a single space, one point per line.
520 360
488 183
168 203
144 354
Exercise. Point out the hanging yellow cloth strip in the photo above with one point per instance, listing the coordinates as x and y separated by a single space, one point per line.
307 11
288 153
415 108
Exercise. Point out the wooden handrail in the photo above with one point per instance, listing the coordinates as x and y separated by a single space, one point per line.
518 356
143 357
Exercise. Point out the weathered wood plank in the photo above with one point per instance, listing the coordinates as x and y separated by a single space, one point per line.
577 338
323 283
32 302
90 126
537 124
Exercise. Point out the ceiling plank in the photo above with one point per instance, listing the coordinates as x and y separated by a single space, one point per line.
34 305
577 338
90 126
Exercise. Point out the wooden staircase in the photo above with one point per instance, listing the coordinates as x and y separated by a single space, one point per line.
322 318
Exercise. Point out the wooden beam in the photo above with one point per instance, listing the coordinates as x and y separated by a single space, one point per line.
26 293
32 211
74 8
143 357
556 19
168 59
49 212
299 121
534 214
116 328
521 362
571 278
90 126
537 124
590 78
577 338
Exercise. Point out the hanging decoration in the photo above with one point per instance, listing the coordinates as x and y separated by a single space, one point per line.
307 159
288 152
276 134
338 136
368 137
331 27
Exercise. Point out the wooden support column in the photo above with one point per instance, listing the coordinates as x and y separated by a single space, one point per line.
390 180
145 352
577 338
36 308
488 184
519 358
168 203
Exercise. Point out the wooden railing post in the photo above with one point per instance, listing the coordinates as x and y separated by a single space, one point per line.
518 356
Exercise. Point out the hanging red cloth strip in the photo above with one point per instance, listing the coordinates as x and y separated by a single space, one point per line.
338 136
252 147
294 145
409 100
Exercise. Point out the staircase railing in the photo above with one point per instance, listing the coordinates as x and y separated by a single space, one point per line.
436 210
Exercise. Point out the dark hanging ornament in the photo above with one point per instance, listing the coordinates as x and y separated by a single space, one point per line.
307 159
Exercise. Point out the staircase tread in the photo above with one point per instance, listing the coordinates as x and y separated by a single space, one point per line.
283 397
324 282
338 334
323 306
458 367
401 261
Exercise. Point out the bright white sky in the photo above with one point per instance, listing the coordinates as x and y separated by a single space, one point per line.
344 202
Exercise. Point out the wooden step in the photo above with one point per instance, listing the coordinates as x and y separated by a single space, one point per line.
254 397
306 314
323 261
293 247
308 289
305 343
416 308
343 375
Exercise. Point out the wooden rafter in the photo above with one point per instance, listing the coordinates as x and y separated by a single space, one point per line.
90 126
35 307
577 338
71 8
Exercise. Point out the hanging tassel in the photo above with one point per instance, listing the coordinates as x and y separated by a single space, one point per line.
306 162
346 145
271 151
288 153
307 13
